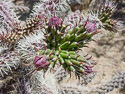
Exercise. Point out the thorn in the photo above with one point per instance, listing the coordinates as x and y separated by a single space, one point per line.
95 32
86 55
81 63
77 51
68 25
84 72
95 41
32 72
53 27
86 22
68 56
70 63
50 54
80 19
62 23
45 19
36 49
44 39
45 35
61 33
76 23
75 32
78 56
86 46
53 69
44 47
66 37
89 66
89 58
53 49
77 43
70 75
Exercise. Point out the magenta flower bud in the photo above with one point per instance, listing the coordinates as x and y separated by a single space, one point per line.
54 21
41 62
90 27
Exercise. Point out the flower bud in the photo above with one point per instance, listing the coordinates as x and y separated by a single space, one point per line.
41 62
54 21
90 27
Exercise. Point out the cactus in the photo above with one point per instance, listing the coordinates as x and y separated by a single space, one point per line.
62 47
72 89
60 74
117 81
47 42
62 41
105 13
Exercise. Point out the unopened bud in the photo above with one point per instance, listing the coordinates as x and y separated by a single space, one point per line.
41 62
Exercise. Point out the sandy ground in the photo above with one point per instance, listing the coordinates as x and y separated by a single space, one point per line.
110 53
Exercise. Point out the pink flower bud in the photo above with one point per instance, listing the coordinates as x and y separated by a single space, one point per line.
54 21
40 62
90 27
